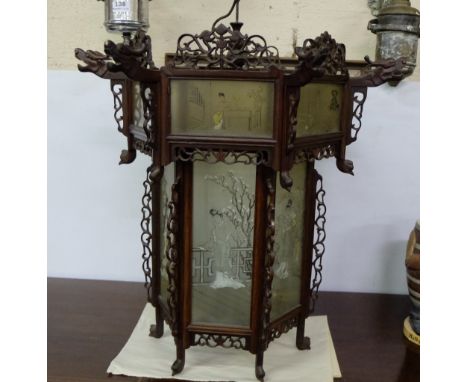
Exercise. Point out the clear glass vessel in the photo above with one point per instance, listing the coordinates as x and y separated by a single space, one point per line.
126 15
397 29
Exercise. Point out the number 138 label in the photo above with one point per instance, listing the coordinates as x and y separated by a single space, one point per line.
121 9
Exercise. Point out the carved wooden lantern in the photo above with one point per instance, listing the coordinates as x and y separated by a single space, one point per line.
233 208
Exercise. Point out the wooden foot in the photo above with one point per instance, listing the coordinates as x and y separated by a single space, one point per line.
303 344
156 331
178 366
259 372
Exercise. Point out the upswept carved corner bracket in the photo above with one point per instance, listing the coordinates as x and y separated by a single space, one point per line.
133 57
319 57
95 62
121 89
379 72
375 74
98 64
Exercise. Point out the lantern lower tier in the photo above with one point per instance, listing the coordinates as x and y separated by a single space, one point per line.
234 255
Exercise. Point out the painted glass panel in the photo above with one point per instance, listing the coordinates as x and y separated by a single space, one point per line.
222 108
289 233
319 109
223 227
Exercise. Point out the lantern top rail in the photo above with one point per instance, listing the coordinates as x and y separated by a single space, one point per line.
289 64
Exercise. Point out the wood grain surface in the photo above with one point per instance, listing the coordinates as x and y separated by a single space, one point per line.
90 321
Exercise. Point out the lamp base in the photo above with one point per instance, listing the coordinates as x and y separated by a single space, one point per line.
411 337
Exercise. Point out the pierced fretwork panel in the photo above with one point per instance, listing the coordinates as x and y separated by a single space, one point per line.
359 98
146 234
276 331
166 183
117 88
319 240
215 340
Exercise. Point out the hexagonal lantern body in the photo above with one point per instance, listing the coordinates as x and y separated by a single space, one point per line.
233 209
236 205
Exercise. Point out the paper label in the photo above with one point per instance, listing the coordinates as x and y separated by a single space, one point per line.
121 9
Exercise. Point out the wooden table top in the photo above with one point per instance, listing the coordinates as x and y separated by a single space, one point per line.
90 321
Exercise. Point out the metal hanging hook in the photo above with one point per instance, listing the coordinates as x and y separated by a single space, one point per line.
235 4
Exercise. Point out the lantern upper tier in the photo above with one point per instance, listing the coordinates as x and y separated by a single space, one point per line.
226 92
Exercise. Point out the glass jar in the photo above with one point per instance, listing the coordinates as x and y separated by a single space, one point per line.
397 30
126 15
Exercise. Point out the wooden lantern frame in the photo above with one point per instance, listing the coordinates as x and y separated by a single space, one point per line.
225 53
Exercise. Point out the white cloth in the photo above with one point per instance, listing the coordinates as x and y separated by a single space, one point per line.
145 356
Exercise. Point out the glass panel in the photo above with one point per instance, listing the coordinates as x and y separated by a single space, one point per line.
138 115
167 181
319 110
222 108
289 222
223 222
